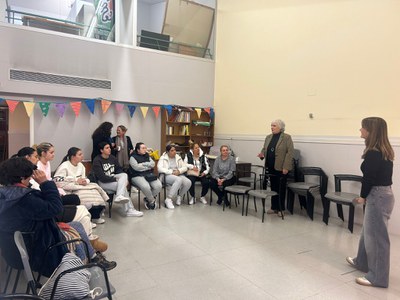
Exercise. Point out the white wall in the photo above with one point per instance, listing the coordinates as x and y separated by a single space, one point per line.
143 17
137 75
72 131
334 155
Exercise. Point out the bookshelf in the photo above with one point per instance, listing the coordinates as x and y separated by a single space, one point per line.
184 125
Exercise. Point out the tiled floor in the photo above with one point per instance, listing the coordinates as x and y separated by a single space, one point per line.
201 252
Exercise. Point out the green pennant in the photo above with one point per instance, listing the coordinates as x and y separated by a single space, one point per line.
44 107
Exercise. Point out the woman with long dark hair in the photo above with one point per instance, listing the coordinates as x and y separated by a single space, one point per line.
373 255
101 134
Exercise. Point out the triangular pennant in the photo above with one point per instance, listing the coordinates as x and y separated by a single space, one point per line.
90 103
105 105
156 110
76 107
132 109
119 107
212 113
60 108
44 107
29 108
168 108
12 104
208 109
198 110
144 110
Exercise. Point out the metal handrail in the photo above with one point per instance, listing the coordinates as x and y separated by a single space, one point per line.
160 43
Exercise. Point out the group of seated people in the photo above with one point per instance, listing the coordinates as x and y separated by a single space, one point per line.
70 204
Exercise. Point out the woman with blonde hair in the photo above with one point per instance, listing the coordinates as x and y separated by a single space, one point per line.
123 147
373 255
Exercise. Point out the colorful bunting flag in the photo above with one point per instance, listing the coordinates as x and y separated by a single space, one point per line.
90 103
132 109
212 113
105 105
12 104
76 107
44 107
156 110
119 107
60 108
168 108
144 110
29 108
208 110
198 110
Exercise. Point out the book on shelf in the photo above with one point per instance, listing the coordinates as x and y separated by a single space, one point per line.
169 130
183 116
184 130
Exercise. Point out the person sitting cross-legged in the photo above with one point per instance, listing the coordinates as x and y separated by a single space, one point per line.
111 177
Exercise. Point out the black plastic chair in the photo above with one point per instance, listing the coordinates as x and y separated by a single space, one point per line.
341 198
21 297
307 191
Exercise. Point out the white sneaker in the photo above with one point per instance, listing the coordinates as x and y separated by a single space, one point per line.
121 199
203 200
131 212
191 201
178 200
94 225
169 204
98 221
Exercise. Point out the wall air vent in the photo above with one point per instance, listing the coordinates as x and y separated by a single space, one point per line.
59 79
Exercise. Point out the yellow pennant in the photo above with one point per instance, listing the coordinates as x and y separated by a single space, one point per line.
105 105
144 110
29 107
198 110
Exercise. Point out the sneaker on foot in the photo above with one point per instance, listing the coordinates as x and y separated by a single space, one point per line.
178 200
168 204
94 225
131 212
191 201
102 261
146 203
98 221
121 199
203 200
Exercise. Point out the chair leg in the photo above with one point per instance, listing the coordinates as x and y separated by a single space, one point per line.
138 199
310 205
340 211
351 218
247 204
290 200
263 210
243 205
16 281
325 217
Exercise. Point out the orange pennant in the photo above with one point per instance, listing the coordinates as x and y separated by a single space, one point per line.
156 110
76 107
208 110
12 104
105 105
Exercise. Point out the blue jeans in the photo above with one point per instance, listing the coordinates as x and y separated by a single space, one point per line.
373 254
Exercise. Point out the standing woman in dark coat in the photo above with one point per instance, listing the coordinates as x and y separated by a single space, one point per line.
101 134
123 147
278 152
373 255
27 210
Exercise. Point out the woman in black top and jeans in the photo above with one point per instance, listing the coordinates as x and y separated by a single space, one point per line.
373 255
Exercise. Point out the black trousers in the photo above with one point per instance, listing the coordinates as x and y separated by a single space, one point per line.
221 192
205 185
278 184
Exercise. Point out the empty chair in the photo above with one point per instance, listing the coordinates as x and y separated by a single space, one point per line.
236 190
342 198
307 191
250 177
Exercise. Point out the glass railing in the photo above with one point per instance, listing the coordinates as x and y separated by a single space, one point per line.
93 30
174 47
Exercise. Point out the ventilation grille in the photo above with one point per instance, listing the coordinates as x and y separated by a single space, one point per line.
59 79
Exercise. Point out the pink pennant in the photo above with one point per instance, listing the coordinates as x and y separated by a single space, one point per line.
119 107
12 104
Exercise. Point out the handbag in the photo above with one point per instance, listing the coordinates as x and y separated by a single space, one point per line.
150 177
